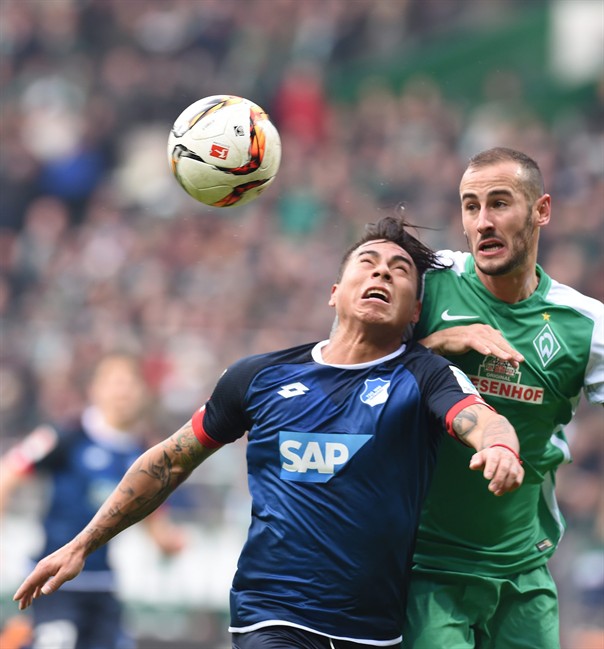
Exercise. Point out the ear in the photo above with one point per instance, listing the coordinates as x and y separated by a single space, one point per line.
417 311
543 207
332 297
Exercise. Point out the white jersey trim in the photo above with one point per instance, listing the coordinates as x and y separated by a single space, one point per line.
548 490
561 444
269 623
454 259
592 309
317 356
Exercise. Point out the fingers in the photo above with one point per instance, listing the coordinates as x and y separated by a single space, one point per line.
490 342
47 577
478 337
501 467
30 589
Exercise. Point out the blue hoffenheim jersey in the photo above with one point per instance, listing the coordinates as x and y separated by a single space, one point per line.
83 472
339 461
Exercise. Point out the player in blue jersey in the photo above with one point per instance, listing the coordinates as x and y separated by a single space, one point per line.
84 462
342 437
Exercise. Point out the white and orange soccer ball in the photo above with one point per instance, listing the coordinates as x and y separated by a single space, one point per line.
224 150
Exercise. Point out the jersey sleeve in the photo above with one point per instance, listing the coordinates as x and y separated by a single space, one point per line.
40 449
435 286
447 390
224 419
594 375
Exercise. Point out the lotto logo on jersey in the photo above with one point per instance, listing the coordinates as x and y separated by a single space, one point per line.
316 457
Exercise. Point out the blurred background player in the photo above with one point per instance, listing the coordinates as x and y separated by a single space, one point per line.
531 346
84 461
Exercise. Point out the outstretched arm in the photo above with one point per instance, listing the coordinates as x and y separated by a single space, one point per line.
479 337
496 444
146 485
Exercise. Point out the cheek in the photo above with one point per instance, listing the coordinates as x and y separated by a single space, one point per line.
467 225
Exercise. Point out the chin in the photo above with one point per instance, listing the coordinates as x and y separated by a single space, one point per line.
494 268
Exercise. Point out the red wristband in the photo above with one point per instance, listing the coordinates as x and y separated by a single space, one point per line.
509 448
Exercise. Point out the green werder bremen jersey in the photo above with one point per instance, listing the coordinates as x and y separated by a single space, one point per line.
560 333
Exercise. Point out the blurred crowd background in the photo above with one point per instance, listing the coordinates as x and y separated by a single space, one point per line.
379 103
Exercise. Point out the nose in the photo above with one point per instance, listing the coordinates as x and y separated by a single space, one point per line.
484 221
383 271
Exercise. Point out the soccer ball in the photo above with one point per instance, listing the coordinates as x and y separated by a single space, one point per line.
224 150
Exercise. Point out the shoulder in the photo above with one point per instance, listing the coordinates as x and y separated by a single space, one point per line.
452 260
257 362
439 380
242 372
422 361
453 266
44 447
563 295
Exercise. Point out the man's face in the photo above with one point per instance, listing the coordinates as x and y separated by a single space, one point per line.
119 391
378 287
500 224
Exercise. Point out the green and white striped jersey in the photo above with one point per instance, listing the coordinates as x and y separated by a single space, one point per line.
560 332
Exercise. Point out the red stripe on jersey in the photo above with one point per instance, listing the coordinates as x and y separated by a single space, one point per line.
471 400
23 457
19 462
203 438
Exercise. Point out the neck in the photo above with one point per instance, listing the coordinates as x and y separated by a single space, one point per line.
344 348
512 287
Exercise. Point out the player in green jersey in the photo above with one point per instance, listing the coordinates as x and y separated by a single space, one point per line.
531 346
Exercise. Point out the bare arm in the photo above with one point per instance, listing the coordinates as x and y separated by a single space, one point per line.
479 337
496 444
18 463
10 480
146 485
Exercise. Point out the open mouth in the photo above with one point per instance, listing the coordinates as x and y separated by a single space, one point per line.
377 294
490 246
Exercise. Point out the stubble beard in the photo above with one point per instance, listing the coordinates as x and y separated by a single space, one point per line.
520 252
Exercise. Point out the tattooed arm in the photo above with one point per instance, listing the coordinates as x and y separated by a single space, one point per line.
496 444
145 486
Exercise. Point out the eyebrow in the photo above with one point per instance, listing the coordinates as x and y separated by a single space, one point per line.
394 258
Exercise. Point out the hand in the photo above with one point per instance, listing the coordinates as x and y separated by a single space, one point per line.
478 337
501 466
51 573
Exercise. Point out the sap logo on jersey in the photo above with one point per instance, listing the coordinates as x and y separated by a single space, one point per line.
316 457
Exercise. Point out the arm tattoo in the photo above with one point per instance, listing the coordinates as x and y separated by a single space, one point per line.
465 422
499 431
493 428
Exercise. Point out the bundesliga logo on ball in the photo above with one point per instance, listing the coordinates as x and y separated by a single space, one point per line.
224 150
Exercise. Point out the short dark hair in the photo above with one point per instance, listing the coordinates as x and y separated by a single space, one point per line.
533 179
395 228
